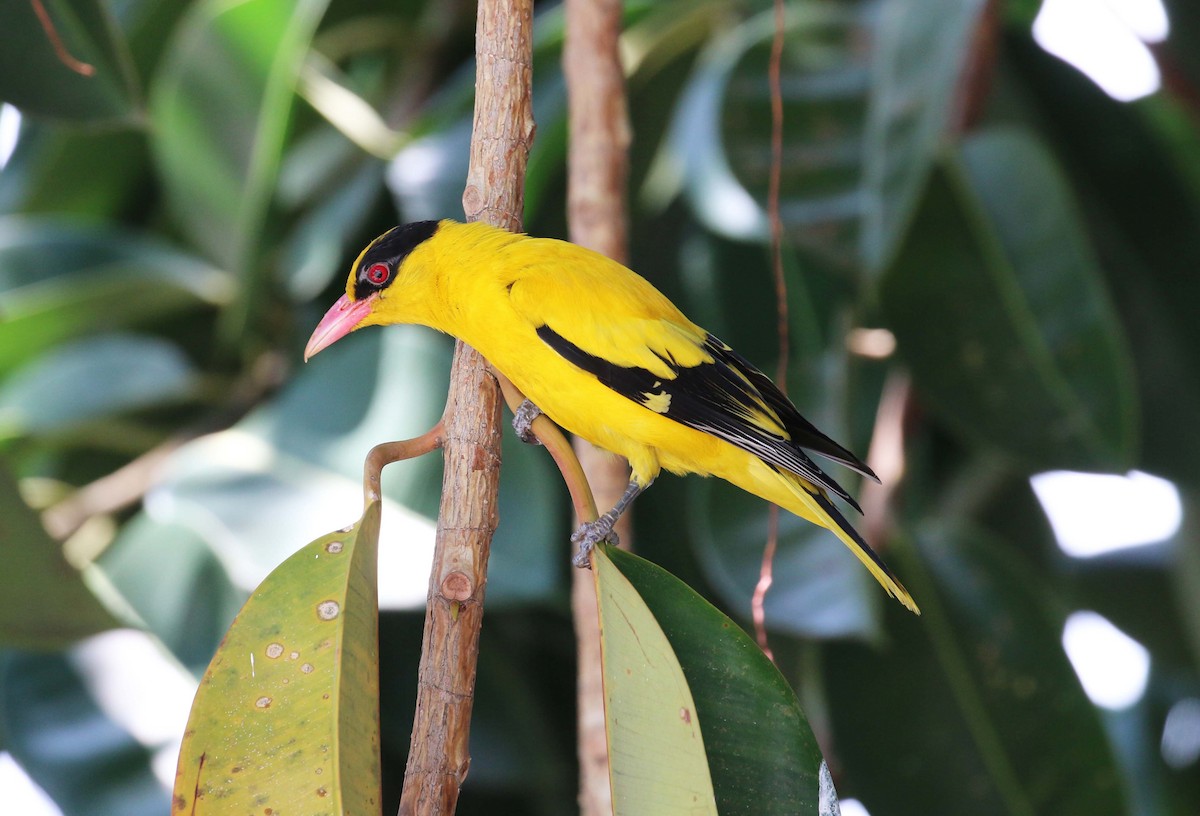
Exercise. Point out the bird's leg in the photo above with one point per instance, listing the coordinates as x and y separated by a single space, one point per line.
522 422
591 533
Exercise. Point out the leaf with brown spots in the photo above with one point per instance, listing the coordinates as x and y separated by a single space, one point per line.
286 719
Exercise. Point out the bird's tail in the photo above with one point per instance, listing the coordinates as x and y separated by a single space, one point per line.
820 508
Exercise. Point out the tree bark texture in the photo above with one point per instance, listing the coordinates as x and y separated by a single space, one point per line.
503 131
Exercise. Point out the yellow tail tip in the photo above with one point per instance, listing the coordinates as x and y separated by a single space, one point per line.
903 597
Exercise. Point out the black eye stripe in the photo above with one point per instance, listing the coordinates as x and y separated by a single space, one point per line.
379 263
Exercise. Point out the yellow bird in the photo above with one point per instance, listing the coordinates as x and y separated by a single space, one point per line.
609 358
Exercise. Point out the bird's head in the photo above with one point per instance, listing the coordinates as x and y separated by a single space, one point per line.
375 271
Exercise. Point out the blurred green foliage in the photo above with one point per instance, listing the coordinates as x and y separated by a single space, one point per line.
173 225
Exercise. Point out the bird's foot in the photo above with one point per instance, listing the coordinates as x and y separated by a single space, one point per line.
522 422
591 533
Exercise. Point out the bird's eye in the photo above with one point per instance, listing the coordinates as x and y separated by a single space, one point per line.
378 274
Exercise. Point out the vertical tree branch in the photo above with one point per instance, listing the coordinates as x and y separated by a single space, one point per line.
598 169
503 131
774 78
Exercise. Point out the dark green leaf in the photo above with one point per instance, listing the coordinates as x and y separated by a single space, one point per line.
42 175
79 69
100 279
1001 314
90 379
1186 572
973 707
1127 587
1137 185
722 129
916 72
818 590
44 602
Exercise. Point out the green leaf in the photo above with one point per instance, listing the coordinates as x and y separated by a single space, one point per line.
861 126
101 279
1185 576
44 601
287 715
916 73
42 82
220 107
43 173
657 763
1127 587
425 177
1139 187
92 378
1000 312
761 752
315 252
974 706
722 129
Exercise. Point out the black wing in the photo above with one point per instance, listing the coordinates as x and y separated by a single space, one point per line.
728 398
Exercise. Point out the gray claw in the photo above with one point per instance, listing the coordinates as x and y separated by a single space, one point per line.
590 534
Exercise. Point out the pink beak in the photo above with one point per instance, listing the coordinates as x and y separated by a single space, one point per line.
342 318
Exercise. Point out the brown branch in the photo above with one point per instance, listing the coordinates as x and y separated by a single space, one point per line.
774 73
389 452
112 492
503 130
597 180
60 50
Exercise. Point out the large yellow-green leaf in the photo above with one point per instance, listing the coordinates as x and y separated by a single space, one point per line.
287 716
656 752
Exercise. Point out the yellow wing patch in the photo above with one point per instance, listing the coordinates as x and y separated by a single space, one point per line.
657 401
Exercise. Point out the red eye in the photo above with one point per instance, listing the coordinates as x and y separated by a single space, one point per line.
378 274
